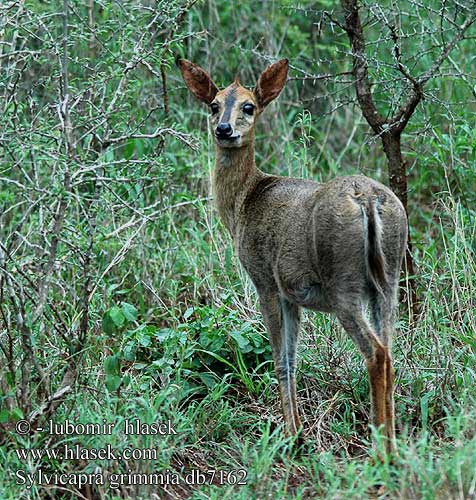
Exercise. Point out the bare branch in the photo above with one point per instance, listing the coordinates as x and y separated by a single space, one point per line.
448 48
400 119
159 132
353 27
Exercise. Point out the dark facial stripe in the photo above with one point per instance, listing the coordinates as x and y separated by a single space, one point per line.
230 100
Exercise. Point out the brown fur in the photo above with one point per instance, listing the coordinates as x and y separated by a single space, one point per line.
332 247
271 82
198 81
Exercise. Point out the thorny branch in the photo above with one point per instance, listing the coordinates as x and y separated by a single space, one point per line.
390 128
63 167
397 122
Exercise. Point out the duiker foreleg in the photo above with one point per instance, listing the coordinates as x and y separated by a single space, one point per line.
282 320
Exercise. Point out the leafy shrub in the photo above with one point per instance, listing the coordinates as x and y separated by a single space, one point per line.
207 344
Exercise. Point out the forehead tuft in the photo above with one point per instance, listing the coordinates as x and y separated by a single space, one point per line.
235 91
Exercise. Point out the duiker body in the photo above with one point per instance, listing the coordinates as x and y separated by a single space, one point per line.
335 247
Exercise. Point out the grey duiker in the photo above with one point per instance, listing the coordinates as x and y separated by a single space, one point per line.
335 247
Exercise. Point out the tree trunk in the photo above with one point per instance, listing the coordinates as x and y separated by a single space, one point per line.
396 166
399 185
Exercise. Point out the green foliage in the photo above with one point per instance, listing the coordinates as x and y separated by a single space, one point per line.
199 350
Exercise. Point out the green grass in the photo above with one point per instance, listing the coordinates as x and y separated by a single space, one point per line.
198 356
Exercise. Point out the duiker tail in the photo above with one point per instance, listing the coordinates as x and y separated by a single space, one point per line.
375 256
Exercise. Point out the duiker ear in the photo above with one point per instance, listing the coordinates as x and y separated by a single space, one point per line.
198 81
271 82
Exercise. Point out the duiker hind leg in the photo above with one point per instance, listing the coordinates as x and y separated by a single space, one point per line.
380 369
383 319
282 320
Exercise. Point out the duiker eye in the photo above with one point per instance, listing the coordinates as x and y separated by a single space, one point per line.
248 109
214 108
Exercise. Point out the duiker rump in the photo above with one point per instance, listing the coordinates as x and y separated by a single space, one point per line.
335 247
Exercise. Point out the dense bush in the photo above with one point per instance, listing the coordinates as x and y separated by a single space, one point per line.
121 296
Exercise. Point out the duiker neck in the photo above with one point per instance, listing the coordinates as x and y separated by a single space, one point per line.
234 177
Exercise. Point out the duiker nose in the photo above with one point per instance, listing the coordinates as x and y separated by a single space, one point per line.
223 130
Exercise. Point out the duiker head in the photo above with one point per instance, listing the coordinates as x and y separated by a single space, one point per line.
234 110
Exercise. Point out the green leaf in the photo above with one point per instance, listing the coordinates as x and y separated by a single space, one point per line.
218 357
108 326
145 341
212 341
129 149
16 414
242 342
209 379
109 155
163 334
111 365
113 382
126 380
188 313
129 311
117 316
129 352
4 416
